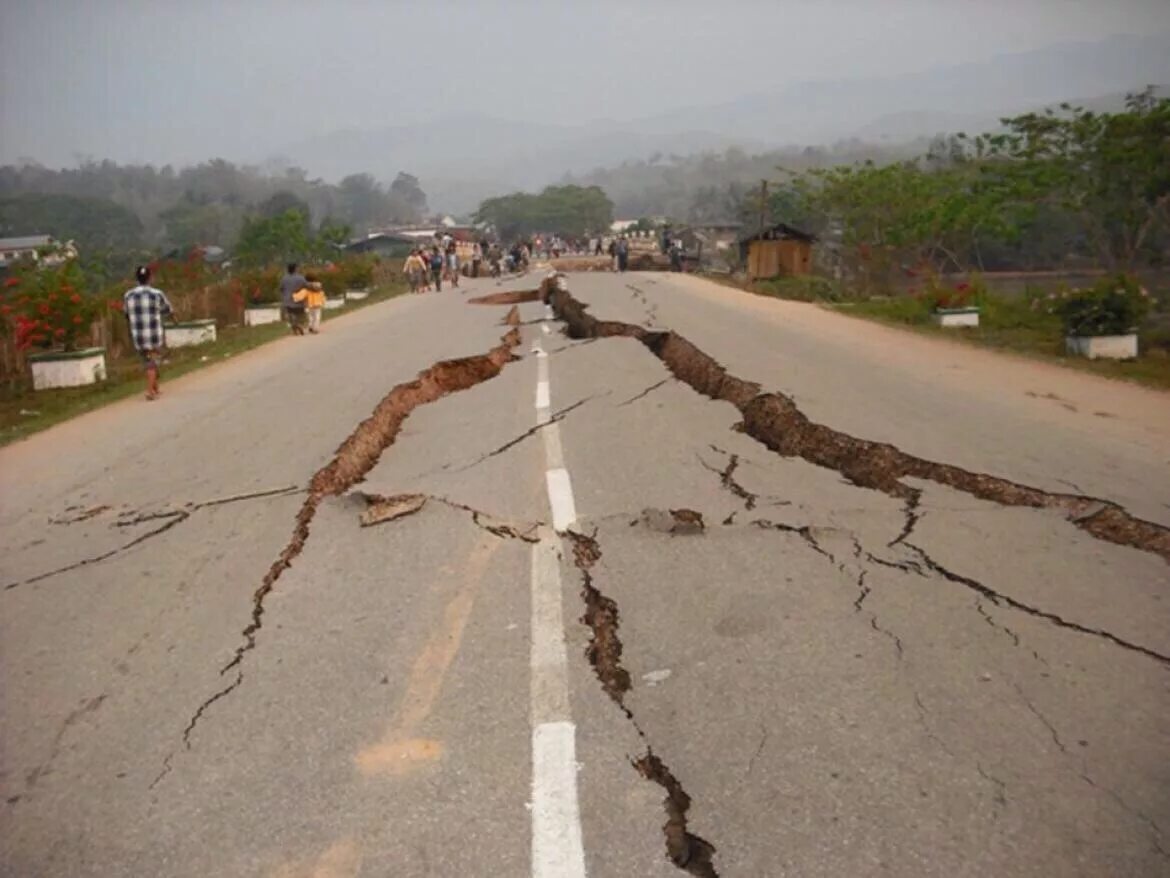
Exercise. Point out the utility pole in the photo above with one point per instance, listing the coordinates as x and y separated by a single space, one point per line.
763 204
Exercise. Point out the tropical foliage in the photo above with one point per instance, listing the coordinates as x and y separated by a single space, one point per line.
561 210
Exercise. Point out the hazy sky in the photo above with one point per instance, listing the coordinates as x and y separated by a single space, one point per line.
161 80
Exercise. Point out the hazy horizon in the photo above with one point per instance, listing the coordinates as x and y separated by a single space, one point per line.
169 83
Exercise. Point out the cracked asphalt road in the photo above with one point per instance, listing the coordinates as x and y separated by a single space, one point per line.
820 678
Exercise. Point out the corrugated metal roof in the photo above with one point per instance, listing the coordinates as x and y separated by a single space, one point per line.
28 242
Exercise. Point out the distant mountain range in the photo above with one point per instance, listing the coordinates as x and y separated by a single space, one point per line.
462 160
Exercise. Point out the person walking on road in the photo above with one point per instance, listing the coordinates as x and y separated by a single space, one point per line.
291 284
313 297
414 270
495 256
453 264
476 259
145 307
623 254
437 268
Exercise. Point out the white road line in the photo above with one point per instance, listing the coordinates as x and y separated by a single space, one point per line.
550 689
557 847
560 496
554 456
557 850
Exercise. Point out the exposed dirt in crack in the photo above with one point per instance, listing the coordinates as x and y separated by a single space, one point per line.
602 619
510 298
774 420
689 852
686 850
354 458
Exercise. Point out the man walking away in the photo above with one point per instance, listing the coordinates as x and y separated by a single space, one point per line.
414 270
145 307
623 253
476 259
291 284
453 264
437 269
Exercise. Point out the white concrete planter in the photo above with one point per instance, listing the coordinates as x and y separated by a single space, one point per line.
334 304
190 333
258 315
1105 347
356 295
956 316
72 369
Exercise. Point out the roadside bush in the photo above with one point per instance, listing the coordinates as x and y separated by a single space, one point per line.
259 286
941 295
1112 306
47 307
806 288
358 273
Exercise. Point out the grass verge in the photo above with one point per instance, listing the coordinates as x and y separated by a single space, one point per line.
1009 325
24 411
1006 324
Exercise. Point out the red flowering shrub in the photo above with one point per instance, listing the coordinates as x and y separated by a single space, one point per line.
941 295
46 307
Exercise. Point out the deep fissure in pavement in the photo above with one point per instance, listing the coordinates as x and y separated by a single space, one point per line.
774 420
354 458
689 852
508 298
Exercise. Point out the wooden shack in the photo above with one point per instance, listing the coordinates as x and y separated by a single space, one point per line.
778 251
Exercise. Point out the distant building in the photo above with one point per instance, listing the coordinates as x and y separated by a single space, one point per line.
778 251
32 247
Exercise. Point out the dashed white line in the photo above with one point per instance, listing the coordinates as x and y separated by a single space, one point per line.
557 847
560 497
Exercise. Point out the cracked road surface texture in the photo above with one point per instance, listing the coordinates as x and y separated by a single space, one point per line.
833 600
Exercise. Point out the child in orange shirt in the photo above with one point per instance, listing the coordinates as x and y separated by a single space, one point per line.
313 295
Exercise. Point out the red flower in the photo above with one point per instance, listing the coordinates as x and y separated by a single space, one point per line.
12 282
76 318
5 309
116 304
962 288
75 299
59 333
44 309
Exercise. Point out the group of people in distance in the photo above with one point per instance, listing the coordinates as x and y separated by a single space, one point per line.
425 267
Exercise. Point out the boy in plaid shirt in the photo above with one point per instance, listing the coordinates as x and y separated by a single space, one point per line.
145 309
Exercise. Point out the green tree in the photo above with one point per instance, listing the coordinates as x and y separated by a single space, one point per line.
1109 171
281 202
332 236
189 224
95 224
408 193
281 238
562 210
